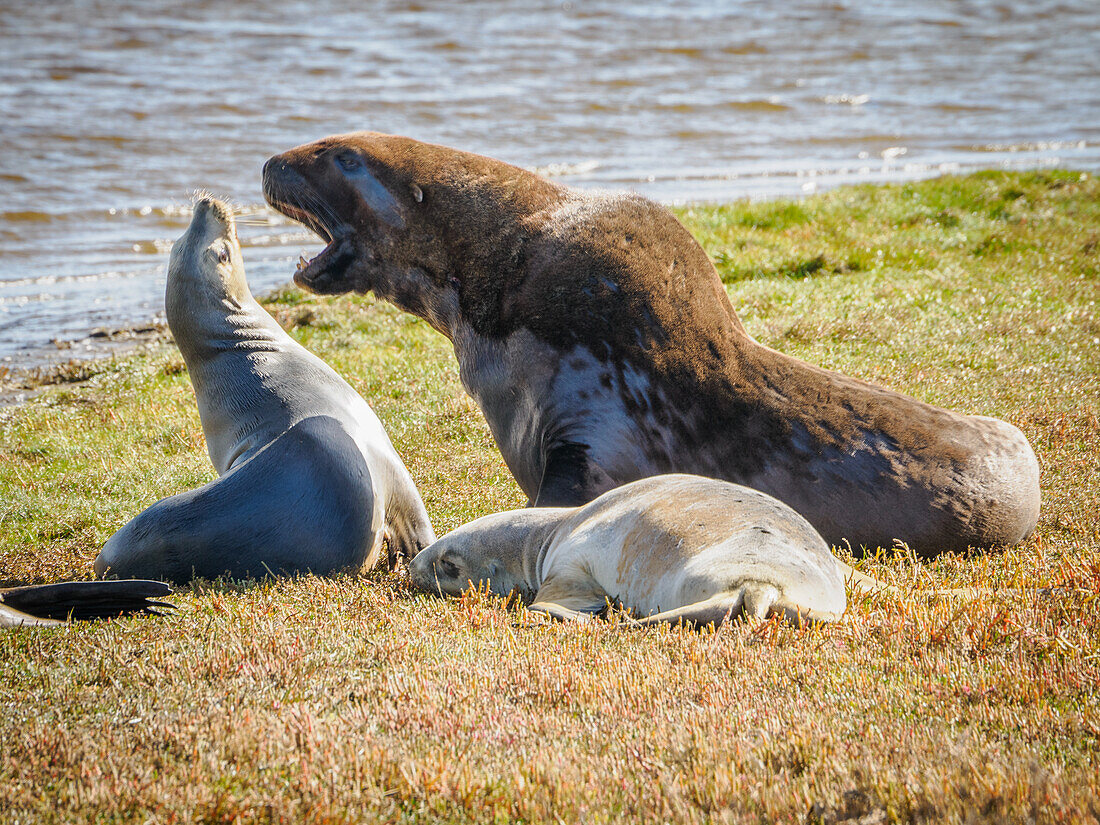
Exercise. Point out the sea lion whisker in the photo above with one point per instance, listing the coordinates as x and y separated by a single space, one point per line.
315 212
275 194
300 195
299 201
325 214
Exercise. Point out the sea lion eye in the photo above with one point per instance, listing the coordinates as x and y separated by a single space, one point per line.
348 162
223 255
448 569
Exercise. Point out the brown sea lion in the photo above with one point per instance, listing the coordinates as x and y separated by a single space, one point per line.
600 343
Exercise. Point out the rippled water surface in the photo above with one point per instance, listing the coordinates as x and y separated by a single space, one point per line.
111 114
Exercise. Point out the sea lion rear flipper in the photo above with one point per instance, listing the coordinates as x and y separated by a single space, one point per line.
84 600
569 599
755 601
716 610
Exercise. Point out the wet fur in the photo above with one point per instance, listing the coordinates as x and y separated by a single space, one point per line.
599 341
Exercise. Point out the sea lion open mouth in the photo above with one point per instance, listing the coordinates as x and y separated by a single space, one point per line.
322 272
330 265
304 217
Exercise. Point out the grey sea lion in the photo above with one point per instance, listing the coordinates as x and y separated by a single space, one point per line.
668 548
599 342
309 480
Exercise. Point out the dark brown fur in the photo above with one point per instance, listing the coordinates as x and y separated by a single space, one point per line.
485 250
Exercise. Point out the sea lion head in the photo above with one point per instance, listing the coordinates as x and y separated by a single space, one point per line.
500 552
206 260
423 226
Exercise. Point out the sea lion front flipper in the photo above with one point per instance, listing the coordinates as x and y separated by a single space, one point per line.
569 599
716 610
408 530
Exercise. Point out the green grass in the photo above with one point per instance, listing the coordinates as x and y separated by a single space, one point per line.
359 700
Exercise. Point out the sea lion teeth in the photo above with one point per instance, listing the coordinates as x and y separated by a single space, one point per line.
308 478
600 343
302 263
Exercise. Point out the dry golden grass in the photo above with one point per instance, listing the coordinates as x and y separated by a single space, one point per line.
357 699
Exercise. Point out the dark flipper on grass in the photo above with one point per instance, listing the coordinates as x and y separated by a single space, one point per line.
55 603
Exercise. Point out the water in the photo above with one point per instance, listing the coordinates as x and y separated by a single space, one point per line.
113 113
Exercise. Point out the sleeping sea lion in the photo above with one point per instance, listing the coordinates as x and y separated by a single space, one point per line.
668 548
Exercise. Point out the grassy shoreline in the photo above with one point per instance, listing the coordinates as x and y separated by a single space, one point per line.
19 382
356 699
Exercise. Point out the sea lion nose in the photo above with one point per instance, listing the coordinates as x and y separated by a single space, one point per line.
207 206
200 209
422 572
273 165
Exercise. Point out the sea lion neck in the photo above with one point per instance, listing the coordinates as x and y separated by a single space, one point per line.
470 223
488 232
540 525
